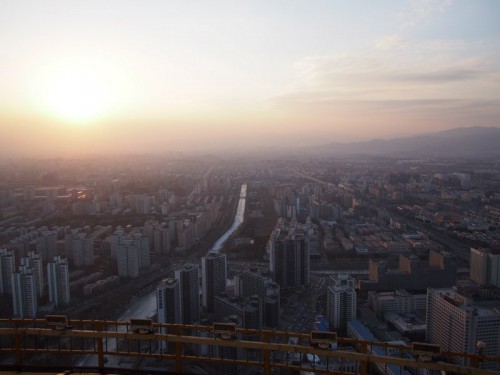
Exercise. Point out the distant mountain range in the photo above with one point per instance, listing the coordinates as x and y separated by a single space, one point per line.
468 142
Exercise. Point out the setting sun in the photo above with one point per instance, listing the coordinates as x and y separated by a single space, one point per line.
76 97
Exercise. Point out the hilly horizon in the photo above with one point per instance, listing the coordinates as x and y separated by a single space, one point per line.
465 141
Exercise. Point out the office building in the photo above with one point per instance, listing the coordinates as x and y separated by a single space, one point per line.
255 283
457 323
189 279
413 274
58 280
248 310
7 268
168 301
289 257
485 266
341 302
272 307
169 307
213 278
400 301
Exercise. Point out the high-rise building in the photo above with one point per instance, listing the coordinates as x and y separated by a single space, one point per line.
58 280
213 278
272 310
341 302
127 256
7 267
289 260
46 244
142 204
24 293
82 250
255 283
248 310
168 306
158 235
457 323
35 262
485 266
189 279
132 254
168 301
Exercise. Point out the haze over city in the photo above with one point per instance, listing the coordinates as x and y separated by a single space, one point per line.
115 77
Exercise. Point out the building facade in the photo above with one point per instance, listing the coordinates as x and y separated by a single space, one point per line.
24 293
485 266
213 278
289 258
58 280
341 302
458 323
189 279
7 268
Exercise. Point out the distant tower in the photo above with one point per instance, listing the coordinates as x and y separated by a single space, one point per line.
24 293
7 267
213 275
341 302
58 278
189 279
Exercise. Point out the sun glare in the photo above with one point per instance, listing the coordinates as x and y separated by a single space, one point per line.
77 97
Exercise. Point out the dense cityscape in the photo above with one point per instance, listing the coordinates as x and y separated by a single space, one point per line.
250 187
375 249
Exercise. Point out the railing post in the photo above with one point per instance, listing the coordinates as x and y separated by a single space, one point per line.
17 342
363 366
178 352
267 355
100 348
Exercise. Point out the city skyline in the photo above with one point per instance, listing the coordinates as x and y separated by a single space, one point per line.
81 78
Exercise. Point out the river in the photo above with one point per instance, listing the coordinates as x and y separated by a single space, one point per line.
238 220
145 306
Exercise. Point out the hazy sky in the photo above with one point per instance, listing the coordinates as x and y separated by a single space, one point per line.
79 77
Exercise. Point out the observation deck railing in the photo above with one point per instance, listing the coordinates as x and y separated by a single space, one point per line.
57 343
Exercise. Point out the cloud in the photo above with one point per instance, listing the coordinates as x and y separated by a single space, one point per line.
390 42
420 10
412 71
402 84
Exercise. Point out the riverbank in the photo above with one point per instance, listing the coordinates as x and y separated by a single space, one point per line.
239 218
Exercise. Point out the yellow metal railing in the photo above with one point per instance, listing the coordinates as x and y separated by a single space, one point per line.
28 343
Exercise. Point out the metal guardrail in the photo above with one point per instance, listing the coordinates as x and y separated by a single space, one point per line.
33 343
